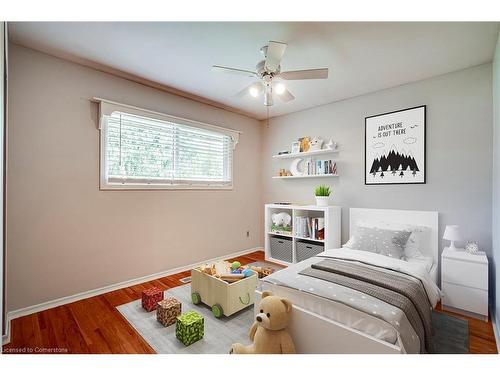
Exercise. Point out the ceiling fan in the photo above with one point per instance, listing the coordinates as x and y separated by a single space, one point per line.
269 73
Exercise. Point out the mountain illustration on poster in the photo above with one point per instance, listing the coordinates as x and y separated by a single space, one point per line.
394 161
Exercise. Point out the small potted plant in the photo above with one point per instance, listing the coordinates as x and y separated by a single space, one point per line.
322 193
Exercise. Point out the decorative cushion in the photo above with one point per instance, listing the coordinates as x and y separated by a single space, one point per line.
190 327
419 235
412 248
167 311
381 241
150 297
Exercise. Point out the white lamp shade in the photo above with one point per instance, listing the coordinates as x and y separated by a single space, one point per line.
452 233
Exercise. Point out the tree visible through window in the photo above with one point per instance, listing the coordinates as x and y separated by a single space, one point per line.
149 151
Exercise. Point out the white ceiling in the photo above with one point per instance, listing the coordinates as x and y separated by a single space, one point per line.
362 57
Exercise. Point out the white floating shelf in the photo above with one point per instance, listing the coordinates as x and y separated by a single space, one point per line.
305 154
307 176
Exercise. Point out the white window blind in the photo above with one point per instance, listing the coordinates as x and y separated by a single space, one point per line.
142 151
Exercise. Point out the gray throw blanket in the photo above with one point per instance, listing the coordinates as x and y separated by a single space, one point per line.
405 293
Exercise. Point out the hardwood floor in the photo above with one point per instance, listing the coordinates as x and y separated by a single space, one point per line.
94 325
481 335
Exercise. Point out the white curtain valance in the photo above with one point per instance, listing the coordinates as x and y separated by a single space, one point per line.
107 107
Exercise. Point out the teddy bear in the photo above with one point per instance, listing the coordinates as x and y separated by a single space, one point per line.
304 144
269 330
281 219
315 144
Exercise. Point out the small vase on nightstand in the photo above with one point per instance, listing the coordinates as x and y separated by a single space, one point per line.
472 247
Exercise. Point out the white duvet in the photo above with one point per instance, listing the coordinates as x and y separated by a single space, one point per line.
414 269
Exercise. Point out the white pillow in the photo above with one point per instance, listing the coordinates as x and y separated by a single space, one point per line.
412 247
418 236
388 242
426 262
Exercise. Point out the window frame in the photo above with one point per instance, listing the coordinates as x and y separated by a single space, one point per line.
106 108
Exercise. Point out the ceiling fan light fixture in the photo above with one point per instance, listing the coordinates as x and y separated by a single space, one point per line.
279 88
270 77
253 91
268 98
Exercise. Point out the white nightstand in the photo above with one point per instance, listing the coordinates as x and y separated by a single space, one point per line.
464 281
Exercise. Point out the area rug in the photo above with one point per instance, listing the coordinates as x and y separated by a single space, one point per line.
451 334
219 333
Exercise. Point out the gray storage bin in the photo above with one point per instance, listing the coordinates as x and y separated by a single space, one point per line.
306 249
281 248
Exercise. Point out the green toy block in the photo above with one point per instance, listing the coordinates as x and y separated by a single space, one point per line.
189 327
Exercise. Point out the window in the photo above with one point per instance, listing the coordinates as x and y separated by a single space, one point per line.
147 150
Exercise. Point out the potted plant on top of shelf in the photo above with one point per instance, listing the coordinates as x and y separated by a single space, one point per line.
322 194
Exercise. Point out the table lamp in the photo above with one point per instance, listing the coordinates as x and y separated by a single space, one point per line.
452 234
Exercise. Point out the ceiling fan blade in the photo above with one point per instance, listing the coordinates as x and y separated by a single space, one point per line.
275 51
286 96
246 90
225 69
305 74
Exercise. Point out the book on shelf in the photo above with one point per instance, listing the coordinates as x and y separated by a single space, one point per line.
310 227
301 226
320 167
320 228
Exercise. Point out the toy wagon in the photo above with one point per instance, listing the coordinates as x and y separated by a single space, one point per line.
224 298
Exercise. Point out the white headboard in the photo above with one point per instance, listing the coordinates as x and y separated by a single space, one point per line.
421 218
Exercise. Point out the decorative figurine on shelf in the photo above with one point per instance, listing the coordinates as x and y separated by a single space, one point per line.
284 173
315 144
294 167
331 145
281 222
305 143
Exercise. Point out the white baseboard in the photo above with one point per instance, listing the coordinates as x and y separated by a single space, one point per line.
6 337
11 315
495 329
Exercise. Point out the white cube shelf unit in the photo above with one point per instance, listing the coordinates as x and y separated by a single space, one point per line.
291 241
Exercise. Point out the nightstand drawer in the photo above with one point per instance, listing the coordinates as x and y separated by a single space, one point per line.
469 299
469 274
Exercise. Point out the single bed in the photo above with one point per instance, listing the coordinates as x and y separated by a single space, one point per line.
332 318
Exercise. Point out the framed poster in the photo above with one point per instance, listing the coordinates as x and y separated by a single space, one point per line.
395 147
